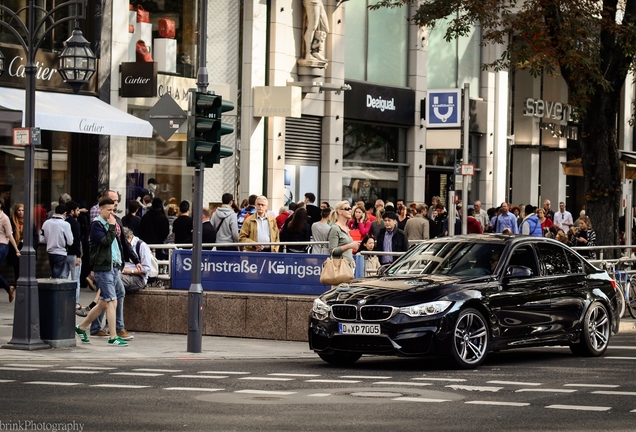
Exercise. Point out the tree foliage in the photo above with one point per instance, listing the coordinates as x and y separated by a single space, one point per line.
591 44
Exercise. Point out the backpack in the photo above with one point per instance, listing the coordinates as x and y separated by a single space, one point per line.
154 265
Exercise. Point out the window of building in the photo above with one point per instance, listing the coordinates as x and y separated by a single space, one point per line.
376 44
453 63
372 162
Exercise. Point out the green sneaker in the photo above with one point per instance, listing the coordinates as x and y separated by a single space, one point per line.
117 341
82 335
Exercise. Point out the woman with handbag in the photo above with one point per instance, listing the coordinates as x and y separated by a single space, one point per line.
341 245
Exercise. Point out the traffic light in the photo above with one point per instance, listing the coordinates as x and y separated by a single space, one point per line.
205 129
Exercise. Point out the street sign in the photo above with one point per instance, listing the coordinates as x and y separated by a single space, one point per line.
468 169
443 108
27 136
166 116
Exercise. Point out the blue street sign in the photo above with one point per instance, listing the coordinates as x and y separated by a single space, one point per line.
443 108
257 272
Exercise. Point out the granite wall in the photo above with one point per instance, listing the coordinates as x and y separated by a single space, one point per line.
259 316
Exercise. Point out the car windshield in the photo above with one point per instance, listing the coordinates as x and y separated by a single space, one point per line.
464 259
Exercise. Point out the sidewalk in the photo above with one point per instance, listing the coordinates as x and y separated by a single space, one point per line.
150 346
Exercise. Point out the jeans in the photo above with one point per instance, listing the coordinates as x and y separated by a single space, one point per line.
74 273
120 292
4 251
59 267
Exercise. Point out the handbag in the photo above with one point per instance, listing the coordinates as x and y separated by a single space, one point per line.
167 28
143 16
142 52
335 271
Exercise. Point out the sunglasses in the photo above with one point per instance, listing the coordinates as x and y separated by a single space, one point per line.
346 208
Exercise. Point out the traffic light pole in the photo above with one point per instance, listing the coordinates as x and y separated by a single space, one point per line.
195 293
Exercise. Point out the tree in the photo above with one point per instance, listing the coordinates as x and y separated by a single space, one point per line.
591 44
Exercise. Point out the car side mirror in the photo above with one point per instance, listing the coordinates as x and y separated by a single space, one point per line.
382 270
516 271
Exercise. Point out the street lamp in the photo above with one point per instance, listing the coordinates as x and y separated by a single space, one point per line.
77 65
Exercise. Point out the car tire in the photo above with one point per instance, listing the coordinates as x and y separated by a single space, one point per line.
338 358
470 339
596 332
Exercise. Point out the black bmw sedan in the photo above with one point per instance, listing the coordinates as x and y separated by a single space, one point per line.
464 296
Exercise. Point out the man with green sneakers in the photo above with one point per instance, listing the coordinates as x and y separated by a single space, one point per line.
107 258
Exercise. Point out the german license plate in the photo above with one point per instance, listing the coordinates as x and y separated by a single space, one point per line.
359 329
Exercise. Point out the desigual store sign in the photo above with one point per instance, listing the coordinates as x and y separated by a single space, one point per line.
46 74
380 104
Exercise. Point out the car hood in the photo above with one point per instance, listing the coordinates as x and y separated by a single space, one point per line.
398 290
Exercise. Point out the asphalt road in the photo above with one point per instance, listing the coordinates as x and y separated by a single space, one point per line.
524 390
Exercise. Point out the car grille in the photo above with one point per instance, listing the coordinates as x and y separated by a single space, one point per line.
375 313
347 312
344 312
366 344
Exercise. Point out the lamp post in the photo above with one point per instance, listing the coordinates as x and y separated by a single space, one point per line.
77 65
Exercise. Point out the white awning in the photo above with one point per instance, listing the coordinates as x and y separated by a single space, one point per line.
76 113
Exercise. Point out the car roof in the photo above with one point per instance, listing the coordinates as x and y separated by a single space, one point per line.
498 238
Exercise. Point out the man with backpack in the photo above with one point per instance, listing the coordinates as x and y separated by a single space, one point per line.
225 223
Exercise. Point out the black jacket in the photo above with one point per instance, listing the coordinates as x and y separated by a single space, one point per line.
154 227
314 214
208 234
182 229
399 242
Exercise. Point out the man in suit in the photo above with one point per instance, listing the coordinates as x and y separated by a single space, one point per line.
312 210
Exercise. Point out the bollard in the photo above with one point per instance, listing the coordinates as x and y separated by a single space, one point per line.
57 312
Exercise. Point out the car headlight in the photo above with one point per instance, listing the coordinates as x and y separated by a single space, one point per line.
426 309
320 309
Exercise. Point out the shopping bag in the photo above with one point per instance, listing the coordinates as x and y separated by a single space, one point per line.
143 16
142 52
167 28
335 271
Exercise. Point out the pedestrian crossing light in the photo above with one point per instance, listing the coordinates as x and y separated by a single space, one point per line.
205 129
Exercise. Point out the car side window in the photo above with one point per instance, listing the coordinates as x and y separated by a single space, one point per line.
552 260
524 256
576 265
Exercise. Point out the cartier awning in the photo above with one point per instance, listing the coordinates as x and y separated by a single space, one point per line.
76 113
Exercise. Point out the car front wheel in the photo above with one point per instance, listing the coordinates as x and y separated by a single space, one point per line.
470 339
596 331
338 358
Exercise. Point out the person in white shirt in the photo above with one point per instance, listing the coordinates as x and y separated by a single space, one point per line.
563 218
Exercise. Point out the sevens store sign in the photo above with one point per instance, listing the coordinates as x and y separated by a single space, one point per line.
443 108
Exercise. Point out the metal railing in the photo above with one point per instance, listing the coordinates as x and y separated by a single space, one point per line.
163 278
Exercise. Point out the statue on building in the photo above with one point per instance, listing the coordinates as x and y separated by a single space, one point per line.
315 34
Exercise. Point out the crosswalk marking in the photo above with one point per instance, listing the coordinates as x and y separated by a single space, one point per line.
30 365
159 370
201 376
407 383
55 383
365 377
266 378
266 392
439 379
333 381
319 395
295 375
419 399
579 407
592 385
194 389
498 403
224 372
619 358
91 368
616 393
513 383
475 388
545 390
128 386
81 372
146 374
6 381
20 369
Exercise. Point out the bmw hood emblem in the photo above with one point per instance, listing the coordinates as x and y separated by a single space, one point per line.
361 302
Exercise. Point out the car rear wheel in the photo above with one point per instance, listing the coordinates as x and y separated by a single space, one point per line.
596 332
470 339
338 358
